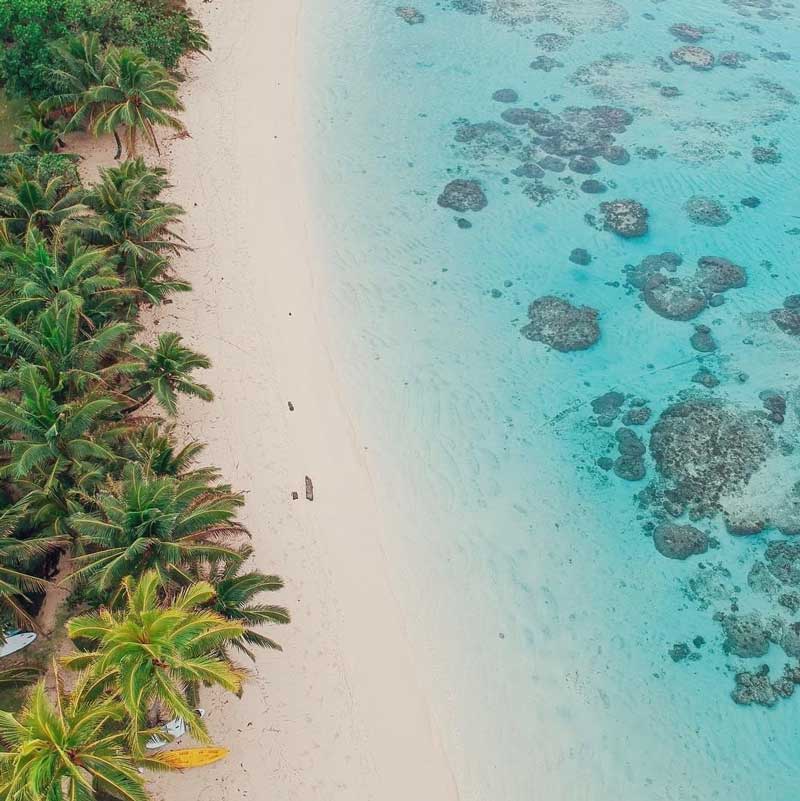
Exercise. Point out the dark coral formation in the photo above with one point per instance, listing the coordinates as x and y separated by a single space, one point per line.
505 96
462 195
702 339
552 41
697 58
679 542
745 635
788 318
627 218
766 155
607 407
704 449
410 15
683 297
557 323
755 687
630 463
545 63
706 211
580 256
686 32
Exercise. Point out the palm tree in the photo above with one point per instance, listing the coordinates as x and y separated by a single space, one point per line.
136 93
70 750
57 439
167 370
81 66
129 217
15 581
128 214
36 138
70 360
144 522
11 678
34 273
28 202
153 447
236 592
150 652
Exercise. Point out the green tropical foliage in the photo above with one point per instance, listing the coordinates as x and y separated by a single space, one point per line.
148 522
136 94
155 545
69 750
237 591
151 651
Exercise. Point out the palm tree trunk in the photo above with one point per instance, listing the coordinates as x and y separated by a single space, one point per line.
119 145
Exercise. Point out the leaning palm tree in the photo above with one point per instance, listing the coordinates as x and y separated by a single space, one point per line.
29 202
144 522
136 94
151 652
236 599
70 750
166 371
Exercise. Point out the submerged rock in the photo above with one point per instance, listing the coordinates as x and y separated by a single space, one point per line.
679 542
585 165
552 41
607 407
669 298
787 318
552 164
580 256
505 96
410 15
686 32
702 339
715 274
766 155
734 59
545 63
564 327
706 211
627 218
704 449
754 688
593 187
697 58
463 195
745 635
637 416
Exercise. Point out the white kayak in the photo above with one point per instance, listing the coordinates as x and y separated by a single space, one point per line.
16 642
174 728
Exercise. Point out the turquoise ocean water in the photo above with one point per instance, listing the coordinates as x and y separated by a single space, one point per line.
564 656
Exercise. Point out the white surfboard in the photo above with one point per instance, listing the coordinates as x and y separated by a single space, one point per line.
175 728
16 642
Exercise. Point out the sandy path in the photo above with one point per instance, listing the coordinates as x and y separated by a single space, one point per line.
338 715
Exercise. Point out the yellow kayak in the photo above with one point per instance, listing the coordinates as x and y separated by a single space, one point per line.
192 757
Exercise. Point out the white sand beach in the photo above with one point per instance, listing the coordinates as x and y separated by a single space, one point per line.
338 714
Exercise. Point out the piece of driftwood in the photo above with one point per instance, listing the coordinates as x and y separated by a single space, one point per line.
291 406
295 496
309 489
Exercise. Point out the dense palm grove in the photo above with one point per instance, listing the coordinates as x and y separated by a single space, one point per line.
95 489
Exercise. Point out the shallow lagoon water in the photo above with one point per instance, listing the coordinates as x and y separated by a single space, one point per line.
542 612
